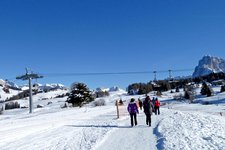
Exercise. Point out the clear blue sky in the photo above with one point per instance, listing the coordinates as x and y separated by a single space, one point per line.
81 36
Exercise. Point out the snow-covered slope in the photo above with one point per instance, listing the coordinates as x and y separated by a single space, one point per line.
112 89
51 86
46 87
8 84
4 95
209 64
179 126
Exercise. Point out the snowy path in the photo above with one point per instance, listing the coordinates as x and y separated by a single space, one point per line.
138 137
172 130
76 129
98 129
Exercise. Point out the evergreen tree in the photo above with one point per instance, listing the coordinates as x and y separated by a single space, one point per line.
101 94
79 94
144 88
186 95
222 88
133 87
141 88
190 92
177 89
206 90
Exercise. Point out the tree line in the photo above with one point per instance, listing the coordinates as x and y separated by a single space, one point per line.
166 85
80 93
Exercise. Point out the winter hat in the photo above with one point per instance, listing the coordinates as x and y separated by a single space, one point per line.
132 100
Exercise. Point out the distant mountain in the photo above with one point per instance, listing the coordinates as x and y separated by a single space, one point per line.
8 84
12 85
209 64
45 87
101 89
49 87
112 89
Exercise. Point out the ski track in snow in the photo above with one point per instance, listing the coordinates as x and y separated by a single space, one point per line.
57 132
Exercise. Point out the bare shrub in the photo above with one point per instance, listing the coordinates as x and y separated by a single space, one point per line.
65 105
40 106
178 97
100 102
12 105
49 103
1 110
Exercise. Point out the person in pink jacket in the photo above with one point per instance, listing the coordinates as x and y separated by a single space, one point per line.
157 105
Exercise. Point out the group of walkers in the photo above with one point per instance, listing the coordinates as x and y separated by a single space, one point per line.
149 107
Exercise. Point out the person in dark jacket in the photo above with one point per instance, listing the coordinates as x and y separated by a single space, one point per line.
133 110
153 101
157 105
148 109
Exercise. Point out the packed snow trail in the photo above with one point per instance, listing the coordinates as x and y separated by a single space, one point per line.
171 130
132 138
98 129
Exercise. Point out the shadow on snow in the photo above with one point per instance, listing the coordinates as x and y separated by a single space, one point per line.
106 126
98 126
160 138
219 101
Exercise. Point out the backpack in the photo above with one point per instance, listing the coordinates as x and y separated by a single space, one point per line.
146 107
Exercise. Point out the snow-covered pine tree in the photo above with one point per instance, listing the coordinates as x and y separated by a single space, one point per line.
206 90
222 88
189 92
79 94
177 89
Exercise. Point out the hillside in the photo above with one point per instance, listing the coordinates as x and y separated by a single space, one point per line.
4 95
89 127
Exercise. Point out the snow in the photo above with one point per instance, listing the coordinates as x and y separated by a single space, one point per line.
4 95
12 84
179 126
